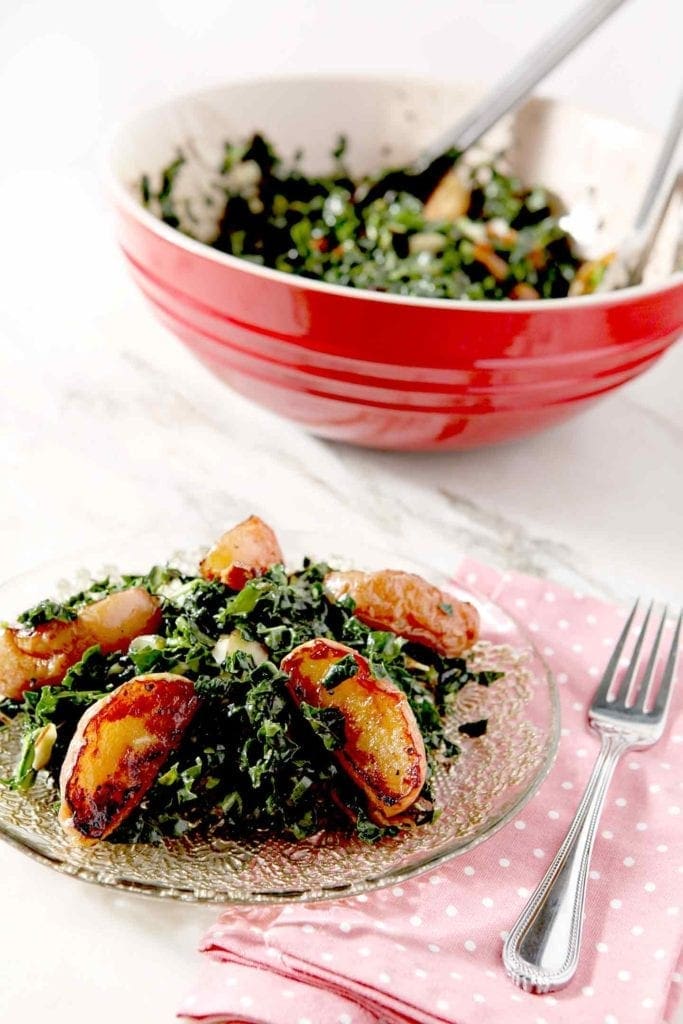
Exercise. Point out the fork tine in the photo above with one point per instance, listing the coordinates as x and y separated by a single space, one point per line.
606 681
646 681
665 689
622 694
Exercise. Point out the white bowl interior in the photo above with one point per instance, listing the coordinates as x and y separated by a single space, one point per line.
581 156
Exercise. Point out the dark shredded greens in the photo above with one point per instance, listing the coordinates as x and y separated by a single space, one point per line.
372 232
251 762
473 729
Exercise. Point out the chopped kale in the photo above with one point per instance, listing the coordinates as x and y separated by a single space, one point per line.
328 723
46 611
374 233
485 678
369 832
344 669
164 196
251 762
473 729
50 611
455 674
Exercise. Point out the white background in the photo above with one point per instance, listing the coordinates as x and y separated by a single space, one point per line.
68 475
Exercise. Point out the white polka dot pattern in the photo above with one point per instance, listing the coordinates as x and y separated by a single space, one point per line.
428 950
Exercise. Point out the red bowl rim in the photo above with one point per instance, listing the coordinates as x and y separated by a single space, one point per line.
123 195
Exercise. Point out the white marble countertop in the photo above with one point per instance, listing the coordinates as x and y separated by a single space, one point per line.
109 427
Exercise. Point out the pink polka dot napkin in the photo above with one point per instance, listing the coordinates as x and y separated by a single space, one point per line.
429 950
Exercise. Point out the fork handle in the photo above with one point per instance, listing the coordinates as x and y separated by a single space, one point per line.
541 952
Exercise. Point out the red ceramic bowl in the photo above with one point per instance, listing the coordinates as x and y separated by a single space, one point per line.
383 370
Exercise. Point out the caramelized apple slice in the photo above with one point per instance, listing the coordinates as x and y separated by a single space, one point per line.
116 620
449 200
117 750
383 751
248 550
36 657
20 671
404 603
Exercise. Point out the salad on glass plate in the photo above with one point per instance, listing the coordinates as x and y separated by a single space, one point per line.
228 727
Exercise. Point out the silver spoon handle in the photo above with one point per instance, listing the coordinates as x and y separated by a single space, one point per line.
522 79
541 952
659 184
634 251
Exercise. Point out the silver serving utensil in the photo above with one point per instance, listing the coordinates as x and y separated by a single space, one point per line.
437 160
519 82
541 953
631 256
678 253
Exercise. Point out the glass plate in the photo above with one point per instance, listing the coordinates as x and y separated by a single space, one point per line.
491 780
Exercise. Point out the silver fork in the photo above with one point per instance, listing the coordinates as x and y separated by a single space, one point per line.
541 953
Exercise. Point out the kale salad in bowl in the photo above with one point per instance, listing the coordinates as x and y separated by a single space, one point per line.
477 232
323 281
237 726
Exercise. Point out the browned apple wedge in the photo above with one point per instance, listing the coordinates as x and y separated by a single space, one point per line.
404 603
248 550
116 620
20 671
383 751
449 200
36 657
117 750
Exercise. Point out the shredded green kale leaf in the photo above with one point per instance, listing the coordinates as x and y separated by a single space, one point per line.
251 762
65 611
473 729
373 232
342 670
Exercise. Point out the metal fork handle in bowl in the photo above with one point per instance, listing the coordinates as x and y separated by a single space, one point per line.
541 952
